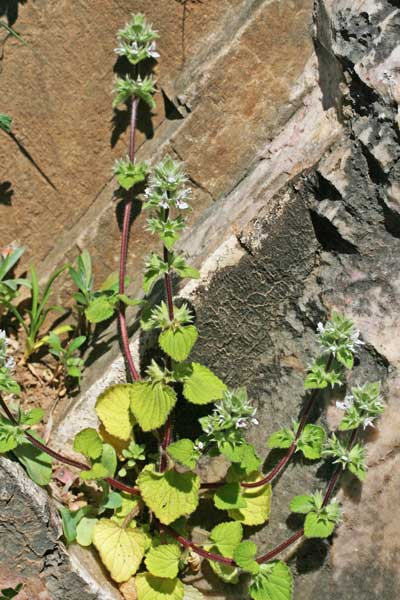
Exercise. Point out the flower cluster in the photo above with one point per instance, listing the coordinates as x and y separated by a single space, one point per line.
167 187
339 337
353 459
230 417
137 40
126 88
362 407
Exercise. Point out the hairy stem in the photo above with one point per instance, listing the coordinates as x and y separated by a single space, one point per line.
168 430
285 459
65 459
124 250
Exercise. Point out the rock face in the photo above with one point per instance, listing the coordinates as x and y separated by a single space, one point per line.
287 116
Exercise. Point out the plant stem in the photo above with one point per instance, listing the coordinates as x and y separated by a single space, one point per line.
168 430
65 459
285 459
124 250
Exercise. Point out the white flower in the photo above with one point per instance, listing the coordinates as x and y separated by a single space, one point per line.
254 421
241 423
10 363
368 422
181 204
346 404
3 335
320 328
151 51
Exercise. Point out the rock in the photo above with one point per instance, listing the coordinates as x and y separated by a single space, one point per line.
31 551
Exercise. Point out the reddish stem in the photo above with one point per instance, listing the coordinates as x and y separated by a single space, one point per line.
65 459
124 250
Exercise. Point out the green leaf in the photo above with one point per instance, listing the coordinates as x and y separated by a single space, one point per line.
98 471
100 309
228 497
169 495
345 356
129 174
70 520
177 343
5 123
151 403
37 463
258 504
244 454
84 531
88 443
184 452
109 459
225 572
112 408
32 417
201 386
8 441
113 500
9 593
318 525
311 441
121 550
244 556
302 504
273 582
281 439
149 587
163 561
226 537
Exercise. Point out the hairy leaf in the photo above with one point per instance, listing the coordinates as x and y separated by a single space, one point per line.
149 587
112 408
226 537
88 443
177 343
244 556
258 504
151 403
201 386
184 452
163 560
273 582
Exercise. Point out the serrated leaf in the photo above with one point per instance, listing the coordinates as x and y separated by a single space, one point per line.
32 417
258 504
177 343
100 309
229 496
244 556
149 587
151 403
311 441
226 537
184 452
302 504
37 463
88 443
318 526
163 560
201 386
273 582
84 531
225 572
169 495
281 439
121 550
245 455
112 408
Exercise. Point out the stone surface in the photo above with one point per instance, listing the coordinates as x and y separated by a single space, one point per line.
298 214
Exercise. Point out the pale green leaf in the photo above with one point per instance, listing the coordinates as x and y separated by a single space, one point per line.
149 587
37 463
177 343
201 386
169 495
226 537
163 561
302 504
112 408
318 525
151 403
84 531
229 496
258 504
98 471
225 572
244 556
100 309
184 452
88 443
121 550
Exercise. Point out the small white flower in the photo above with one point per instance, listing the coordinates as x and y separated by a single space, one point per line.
346 404
181 204
241 424
3 335
320 328
255 421
151 51
368 422
10 363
